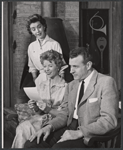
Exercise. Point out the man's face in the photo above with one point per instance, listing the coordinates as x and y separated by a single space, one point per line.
78 69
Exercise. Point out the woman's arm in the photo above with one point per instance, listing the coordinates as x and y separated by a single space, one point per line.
34 75
50 110
47 109
31 65
53 111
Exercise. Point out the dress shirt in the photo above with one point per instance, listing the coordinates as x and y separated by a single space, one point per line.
86 82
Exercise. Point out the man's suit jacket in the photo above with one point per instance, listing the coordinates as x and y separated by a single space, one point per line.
98 108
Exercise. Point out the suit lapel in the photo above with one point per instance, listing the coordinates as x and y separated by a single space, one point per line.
73 93
72 100
90 87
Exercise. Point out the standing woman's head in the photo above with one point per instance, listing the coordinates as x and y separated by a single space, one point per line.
37 26
52 62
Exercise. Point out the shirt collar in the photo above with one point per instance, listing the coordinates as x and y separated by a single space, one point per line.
47 38
61 83
86 80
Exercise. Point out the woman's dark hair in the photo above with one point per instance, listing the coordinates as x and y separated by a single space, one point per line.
34 18
83 51
52 55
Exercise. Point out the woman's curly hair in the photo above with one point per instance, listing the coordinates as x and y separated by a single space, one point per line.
52 55
34 18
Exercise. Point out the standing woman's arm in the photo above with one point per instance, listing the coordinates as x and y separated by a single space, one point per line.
32 67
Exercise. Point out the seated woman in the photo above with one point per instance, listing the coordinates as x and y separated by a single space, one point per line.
51 93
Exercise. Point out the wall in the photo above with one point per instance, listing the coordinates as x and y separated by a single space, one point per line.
69 13
115 55
22 37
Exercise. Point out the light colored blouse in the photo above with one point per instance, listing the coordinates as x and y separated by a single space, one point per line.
35 49
52 94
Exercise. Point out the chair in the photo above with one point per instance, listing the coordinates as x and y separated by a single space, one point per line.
10 124
111 139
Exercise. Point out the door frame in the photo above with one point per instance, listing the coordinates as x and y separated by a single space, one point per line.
7 54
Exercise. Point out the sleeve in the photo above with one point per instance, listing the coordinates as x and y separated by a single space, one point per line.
108 111
62 116
31 65
62 97
57 47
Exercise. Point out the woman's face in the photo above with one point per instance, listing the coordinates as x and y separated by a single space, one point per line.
50 68
38 30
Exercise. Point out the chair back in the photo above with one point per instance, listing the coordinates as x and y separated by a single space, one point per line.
111 139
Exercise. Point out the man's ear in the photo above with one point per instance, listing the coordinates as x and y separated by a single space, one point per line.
89 65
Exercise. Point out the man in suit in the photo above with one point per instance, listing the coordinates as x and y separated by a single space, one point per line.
92 100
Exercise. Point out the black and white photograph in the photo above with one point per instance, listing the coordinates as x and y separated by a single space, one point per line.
61 74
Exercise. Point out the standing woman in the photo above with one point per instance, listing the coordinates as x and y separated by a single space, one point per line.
37 26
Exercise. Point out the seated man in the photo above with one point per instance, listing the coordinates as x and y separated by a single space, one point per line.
92 105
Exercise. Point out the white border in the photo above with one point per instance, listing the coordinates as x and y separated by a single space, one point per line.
2 76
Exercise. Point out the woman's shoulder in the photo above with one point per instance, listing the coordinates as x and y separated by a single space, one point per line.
52 40
62 83
32 44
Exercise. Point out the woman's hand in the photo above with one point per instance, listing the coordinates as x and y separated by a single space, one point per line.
31 103
42 105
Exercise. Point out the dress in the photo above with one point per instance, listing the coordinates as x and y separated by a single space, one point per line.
35 49
53 98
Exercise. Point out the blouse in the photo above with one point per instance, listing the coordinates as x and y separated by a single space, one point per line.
35 49
52 95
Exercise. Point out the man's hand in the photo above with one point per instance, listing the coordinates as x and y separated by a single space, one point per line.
44 131
71 135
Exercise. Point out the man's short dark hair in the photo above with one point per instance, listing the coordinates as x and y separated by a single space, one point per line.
83 51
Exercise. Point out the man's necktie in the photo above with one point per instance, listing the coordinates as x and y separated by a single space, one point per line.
81 91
